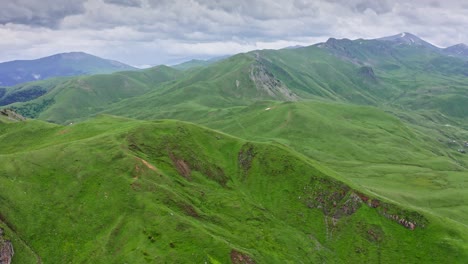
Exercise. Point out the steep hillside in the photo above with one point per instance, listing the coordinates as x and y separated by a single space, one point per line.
64 64
117 190
411 75
234 82
28 91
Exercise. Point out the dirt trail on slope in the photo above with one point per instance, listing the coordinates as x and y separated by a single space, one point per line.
149 166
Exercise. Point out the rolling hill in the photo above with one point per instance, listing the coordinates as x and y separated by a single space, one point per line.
58 65
65 100
113 189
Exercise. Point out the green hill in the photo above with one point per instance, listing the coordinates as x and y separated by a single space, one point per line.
374 149
71 99
112 189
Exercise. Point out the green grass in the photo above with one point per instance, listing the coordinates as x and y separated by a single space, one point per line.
108 190
408 164
394 139
79 97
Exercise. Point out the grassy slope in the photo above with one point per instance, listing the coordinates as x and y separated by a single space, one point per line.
406 163
208 89
108 189
315 73
81 96
376 150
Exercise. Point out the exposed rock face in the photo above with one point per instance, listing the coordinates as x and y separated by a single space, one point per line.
267 83
245 158
367 73
6 249
182 167
240 258
12 115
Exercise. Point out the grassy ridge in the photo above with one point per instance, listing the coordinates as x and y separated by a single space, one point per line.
408 164
116 189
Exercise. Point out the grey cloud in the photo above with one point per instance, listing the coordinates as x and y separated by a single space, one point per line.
130 3
360 6
380 7
158 31
44 13
263 9
207 20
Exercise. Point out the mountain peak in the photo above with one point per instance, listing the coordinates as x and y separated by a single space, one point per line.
406 38
457 50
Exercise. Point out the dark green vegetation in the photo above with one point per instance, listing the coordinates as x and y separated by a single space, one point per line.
115 189
345 151
64 64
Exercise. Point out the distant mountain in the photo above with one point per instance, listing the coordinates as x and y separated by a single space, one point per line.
191 64
63 64
195 63
457 50
294 47
408 39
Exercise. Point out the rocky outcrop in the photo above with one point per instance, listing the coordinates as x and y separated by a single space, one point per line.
6 249
367 74
336 200
245 158
11 115
240 258
265 82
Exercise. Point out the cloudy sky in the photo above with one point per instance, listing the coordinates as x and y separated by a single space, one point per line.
151 32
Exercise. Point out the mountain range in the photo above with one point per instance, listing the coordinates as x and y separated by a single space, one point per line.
341 152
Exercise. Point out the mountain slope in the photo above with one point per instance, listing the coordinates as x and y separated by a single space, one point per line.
64 101
116 189
371 72
64 64
374 149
